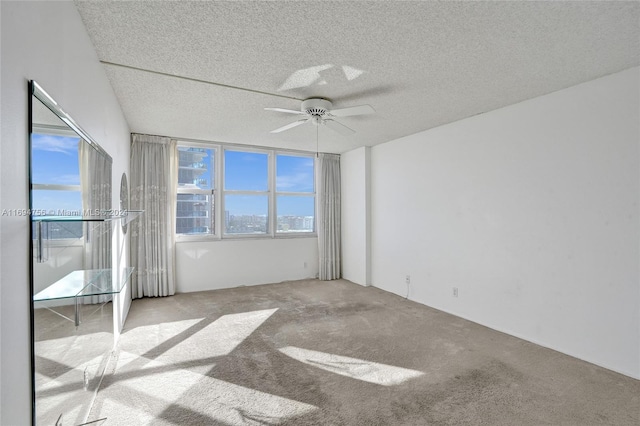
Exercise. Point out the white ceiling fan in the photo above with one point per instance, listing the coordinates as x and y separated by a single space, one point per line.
318 111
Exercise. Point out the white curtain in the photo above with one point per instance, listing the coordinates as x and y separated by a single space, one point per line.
153 189
95 184
329 216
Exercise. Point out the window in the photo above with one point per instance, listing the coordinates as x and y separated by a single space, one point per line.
246 192
256 192
295 194
55 179
195 212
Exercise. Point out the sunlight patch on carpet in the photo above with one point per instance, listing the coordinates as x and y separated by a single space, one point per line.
148 337
139 396
160 381
192 340
219 338
227 332
372 372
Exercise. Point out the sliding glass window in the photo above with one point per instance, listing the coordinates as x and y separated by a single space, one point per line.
295 194
256 192
195 212
246 192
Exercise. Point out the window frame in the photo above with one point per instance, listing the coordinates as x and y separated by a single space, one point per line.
218 193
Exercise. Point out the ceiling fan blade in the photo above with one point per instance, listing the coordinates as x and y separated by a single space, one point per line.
289 126
354 110
288 111
340 128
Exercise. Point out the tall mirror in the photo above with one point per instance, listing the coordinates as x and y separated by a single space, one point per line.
71 279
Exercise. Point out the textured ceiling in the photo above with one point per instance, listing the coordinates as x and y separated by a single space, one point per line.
419 64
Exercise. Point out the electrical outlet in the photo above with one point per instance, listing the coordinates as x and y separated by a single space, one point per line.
455 292
407 279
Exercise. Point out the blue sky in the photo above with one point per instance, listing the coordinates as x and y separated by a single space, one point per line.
54 160
294 174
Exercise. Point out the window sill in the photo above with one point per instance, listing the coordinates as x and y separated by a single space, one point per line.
211 238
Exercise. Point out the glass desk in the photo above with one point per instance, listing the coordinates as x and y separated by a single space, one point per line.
83 283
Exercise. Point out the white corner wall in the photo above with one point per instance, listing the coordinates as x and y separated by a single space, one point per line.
530 211
356 215
212 265
46 42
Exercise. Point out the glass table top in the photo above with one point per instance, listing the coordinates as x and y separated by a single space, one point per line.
88 282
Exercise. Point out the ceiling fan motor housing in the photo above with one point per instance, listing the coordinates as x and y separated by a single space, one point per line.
316 107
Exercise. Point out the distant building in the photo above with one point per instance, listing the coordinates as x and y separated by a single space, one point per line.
193 215
295 223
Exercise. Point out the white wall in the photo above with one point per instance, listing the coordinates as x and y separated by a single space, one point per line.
531 211
47 42
355 217
211 265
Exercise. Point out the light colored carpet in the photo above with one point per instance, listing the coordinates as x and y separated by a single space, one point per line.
335 353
